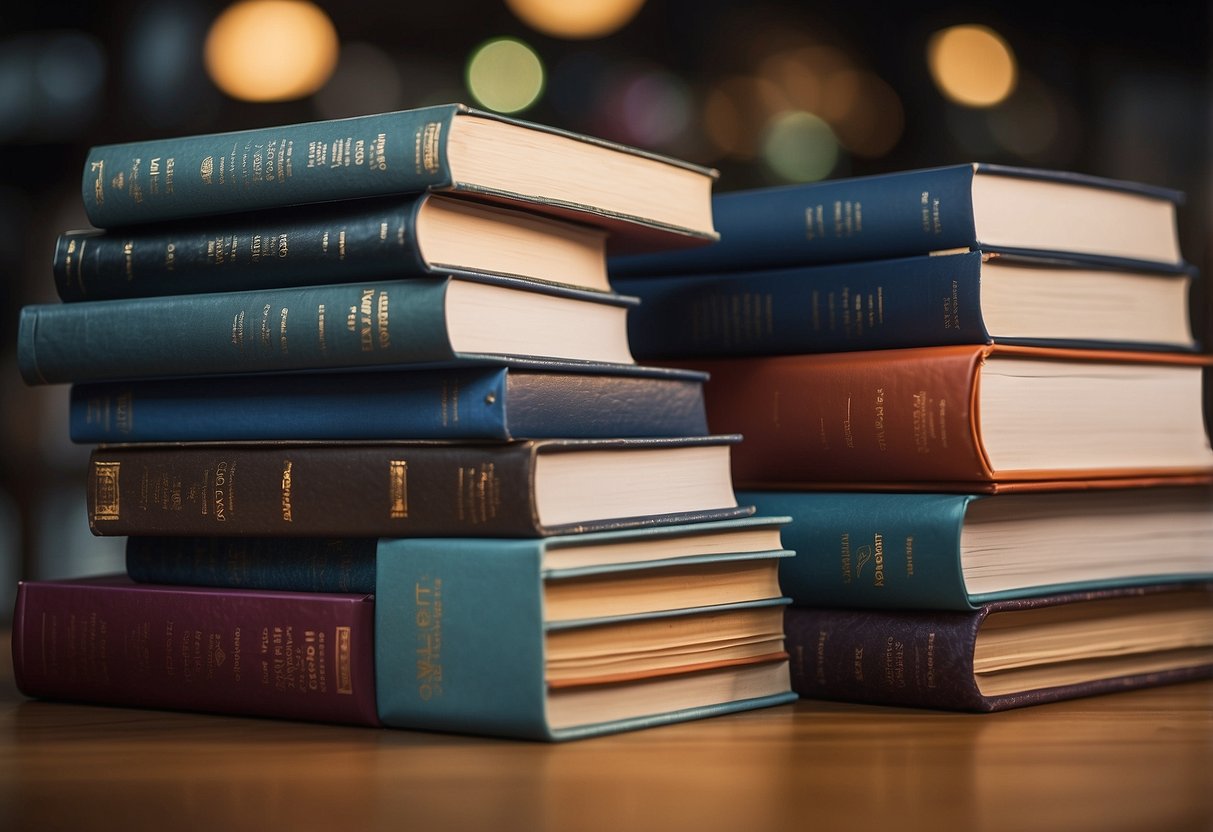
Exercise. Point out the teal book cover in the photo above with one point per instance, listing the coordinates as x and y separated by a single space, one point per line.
571 637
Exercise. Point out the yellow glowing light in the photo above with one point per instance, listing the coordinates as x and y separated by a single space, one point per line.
865 112
800 147
972 65
575 19
271 50
505 75
736 110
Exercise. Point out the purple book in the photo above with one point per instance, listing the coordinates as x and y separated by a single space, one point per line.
110 641
1006 654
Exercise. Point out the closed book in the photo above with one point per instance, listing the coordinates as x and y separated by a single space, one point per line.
109 641
647 201
970 297
972 206
347 564
559 401
944 551
353 241
526 488
1006 654
966 415
424 321
579 635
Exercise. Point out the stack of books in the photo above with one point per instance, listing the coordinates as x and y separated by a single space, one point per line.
363 402
977 392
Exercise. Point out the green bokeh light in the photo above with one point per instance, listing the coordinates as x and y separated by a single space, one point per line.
505 75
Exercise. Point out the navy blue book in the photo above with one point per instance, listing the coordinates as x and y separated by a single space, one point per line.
935 209
475 403
646 200
416 322
358 240
967 297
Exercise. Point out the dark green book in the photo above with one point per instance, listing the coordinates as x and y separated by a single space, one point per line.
648 201
418 322
358 240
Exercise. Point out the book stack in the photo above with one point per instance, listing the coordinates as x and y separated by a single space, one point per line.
977 392
363 402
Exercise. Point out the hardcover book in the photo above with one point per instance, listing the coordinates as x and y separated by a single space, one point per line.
591 634
418 322
940 551
966 297
971 416
502 403
1006 654
109 641
967 206
647 201
526 488
352 241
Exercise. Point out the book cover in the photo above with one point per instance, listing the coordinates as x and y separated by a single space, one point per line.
1071 645
418 322
970 297
945 551
959 414
353 241
451 677
525 488
570 401
448 148
107 640
970 206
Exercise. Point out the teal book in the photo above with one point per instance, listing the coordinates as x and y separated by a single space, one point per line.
646 200
903 213
573 401
580 635
419 322
969 297
937 551
353 241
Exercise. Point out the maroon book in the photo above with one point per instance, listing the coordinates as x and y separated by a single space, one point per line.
1008 653
110 641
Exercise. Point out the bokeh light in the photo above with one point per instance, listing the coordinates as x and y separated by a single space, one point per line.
575 19
736 111
972 65
800 147
271 50
505 75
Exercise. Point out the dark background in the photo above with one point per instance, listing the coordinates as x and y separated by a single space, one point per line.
1127 86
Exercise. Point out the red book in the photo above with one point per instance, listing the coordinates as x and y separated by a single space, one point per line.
109 641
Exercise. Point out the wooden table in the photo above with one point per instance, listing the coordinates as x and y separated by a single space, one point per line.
1140 761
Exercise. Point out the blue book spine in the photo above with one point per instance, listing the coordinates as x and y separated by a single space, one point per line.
274 563
913 301
858 218
374 240
869 550
375 155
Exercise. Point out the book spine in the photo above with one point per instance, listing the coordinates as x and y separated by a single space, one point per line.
875 416
918 659
439 667
141 182
300 564
318 327
919 301
417 405
288 655
861 218
234 254
321 490
870 550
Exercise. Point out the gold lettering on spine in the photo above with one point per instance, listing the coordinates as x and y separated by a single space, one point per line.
365 309
427 614
345 660
106 502
398 489
98 168
429 158
287 483
383 320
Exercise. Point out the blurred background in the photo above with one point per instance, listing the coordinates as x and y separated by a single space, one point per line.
766 91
